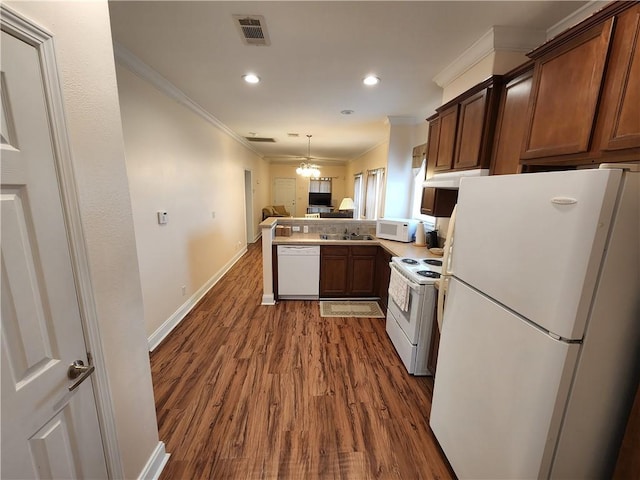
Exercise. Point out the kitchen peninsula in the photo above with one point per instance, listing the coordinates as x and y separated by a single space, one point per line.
308 231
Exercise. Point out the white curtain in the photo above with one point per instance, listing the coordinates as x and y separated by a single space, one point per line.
320 185
357 195
374 198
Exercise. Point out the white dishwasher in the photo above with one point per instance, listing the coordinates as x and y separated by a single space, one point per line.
299 272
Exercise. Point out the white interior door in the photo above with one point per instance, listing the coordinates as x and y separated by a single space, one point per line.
48 429
284 193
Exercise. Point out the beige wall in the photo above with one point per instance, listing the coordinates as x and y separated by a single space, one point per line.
337 174
374 158
180 163
85 59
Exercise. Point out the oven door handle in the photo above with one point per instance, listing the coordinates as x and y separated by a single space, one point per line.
412 285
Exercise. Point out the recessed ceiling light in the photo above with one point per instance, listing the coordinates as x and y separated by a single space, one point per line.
371 80
346 112
251 78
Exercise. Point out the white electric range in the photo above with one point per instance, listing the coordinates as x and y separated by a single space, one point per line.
411 310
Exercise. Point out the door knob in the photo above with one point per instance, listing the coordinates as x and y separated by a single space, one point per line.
78 370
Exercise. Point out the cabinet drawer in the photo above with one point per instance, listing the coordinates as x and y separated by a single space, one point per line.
334 250
358 250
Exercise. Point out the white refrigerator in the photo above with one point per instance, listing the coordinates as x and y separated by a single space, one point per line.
539 357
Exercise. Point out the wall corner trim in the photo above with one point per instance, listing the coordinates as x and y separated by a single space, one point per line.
174 320
158 459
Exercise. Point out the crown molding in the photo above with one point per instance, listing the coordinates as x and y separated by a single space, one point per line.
576 17
402 120
127 59
496 39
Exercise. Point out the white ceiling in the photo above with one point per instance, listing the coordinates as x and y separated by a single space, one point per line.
313 69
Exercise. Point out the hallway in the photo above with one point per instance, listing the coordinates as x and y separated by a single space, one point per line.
250 391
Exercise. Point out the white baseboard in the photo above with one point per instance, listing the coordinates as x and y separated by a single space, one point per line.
174 320
155 464
268 299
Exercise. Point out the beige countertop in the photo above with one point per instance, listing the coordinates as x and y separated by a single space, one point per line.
397 249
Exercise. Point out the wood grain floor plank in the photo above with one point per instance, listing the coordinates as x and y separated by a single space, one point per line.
247 391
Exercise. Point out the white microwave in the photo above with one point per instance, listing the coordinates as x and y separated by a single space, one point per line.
398 229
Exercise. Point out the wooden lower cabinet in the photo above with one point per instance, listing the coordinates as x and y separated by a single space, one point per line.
348 271
628 465
334 267
383 274
362 275
432 359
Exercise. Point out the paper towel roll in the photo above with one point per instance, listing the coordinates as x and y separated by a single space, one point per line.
421 239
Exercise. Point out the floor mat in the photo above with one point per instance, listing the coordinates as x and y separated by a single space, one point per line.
346 308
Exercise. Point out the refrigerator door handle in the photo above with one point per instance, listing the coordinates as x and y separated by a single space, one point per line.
446 270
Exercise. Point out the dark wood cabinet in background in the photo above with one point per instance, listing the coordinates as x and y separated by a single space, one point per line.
471 127
461 133
438 202
448 120
347 270
432 144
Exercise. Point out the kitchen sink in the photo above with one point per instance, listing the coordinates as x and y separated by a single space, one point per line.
340 236
360 237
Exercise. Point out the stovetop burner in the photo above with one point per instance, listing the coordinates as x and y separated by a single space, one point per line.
423 271
428 274
410 261
432 261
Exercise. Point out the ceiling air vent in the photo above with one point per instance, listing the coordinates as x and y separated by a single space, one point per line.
261 139
253 29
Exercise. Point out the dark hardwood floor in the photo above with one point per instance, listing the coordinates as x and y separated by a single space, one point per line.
246 391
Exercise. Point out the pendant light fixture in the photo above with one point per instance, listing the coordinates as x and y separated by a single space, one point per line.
307 169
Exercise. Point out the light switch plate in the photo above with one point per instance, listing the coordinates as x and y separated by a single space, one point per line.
163 217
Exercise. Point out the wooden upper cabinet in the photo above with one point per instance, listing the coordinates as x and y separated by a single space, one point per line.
438 202
565 94
471 125
621 100
446 138
512 121
432 144
586 91
461 134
